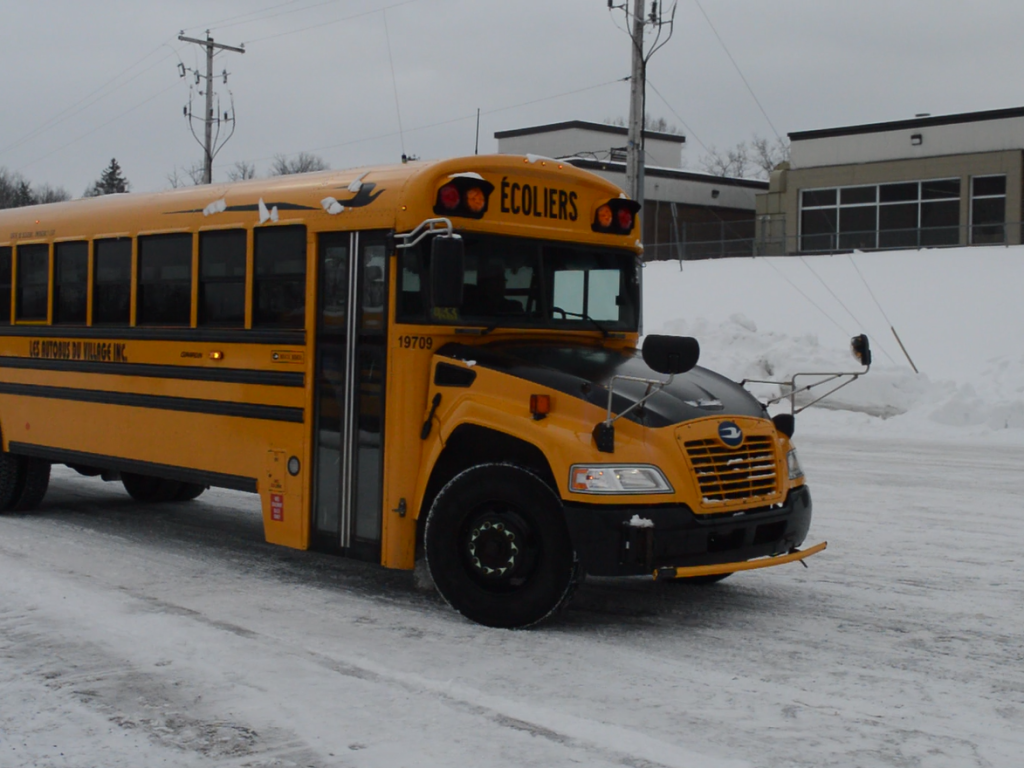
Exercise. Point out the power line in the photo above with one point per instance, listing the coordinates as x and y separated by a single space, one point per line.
99 127
738 70
81 105
216 24
450 121
335 21
689 130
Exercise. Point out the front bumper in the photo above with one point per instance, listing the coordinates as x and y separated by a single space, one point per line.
608 545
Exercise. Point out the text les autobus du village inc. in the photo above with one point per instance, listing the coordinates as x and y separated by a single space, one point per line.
96 351
542 202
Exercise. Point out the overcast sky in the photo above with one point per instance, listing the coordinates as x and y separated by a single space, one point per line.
89 81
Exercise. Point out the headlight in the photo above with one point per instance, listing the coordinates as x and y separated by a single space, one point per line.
794 465
607 478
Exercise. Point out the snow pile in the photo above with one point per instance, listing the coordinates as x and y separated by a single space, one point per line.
956 311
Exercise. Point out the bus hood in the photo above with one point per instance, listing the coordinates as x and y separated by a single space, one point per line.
585 372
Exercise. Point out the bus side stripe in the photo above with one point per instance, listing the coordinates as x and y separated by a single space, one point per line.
168 471
206 335
190 373
158 402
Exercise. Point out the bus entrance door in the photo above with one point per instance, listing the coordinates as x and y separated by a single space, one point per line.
349 394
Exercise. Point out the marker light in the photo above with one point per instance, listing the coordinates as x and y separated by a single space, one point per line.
540 405
793 464
624 479
476 201
450 197
616 217
463 195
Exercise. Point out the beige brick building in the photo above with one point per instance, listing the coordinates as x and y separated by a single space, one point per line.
924 182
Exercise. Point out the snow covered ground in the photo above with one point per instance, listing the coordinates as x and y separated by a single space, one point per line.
171 635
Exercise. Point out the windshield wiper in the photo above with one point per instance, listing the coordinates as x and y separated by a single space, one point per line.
588 318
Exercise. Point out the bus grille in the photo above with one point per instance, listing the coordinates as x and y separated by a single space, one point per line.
734 475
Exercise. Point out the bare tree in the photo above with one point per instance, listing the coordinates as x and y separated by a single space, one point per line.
659 124
757 160
731 162
190 175
304 162
17 192
767 154
241 171
44 193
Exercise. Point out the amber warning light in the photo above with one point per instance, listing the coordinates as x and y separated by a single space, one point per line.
465 196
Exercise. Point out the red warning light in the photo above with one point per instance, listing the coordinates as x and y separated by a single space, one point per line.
450 197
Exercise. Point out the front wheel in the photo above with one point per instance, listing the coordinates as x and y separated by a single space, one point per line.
497 547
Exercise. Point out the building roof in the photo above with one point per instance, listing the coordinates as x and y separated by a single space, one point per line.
917 122
587 126
670 173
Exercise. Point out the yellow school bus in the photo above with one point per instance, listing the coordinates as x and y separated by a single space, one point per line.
433 359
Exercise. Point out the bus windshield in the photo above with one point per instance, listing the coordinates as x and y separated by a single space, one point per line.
525 283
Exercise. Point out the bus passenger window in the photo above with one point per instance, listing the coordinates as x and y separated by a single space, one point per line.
222 278
112 282
33 281
5 285
280 279
70 282
165 280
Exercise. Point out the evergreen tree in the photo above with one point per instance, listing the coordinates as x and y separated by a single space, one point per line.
110 181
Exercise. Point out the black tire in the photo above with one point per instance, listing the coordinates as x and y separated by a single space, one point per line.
12 479
497 547
149 489
33 487
189 491
700 581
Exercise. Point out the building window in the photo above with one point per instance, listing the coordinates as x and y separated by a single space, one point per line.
988 209
901 215
71 282
112 282
165 280
222 278
5 285
280 277
33 282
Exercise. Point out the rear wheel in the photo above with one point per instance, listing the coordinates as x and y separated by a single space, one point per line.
12 477
497 547
150 489
36 479
189 491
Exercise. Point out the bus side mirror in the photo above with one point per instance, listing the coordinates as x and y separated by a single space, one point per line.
670 354
861 349
447 271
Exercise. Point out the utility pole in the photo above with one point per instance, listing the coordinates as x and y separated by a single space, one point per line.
638 20
637 97
209 118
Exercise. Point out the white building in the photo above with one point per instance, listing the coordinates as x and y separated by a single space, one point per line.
685 214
